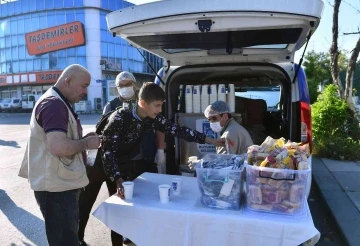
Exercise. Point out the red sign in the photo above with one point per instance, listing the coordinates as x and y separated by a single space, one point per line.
34 78
55 38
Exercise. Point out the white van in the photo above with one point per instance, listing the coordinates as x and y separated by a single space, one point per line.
248 43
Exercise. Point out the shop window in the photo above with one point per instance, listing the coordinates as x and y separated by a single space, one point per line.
14 67
17 7
43 21
10 9
7 54
79 15
44 64
60 17
51 19
82 60
58 4
70 16
34 22
40 4
71 60
68 3
24 5
2 43
20 25
111 50
15 53
13 26
81 51
3 10
71 52
14 40
78 3
6 27
22 66
21 39
22 52
37 64
49 4
61 63
105 4
62 53
104 49
29 66
103 36
27 24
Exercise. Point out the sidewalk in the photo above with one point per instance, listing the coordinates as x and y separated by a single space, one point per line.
339 184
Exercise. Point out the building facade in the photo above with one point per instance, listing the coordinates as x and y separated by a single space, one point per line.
39 38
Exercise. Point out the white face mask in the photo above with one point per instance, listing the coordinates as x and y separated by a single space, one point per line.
215 126
126 92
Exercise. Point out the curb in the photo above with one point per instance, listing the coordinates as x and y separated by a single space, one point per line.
343 210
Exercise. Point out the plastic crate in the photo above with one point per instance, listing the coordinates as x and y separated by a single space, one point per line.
220 188
273 190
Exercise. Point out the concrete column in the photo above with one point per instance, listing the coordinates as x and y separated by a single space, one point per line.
93 49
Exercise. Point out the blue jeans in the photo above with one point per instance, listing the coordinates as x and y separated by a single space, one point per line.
61 214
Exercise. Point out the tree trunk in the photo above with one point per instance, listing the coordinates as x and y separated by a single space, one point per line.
350 74
334 50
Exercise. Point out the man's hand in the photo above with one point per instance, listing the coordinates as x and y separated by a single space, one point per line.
120 188
90 134
93 142
160 160
217 142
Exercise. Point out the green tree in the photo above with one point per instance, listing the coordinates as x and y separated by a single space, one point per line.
317 68
335 129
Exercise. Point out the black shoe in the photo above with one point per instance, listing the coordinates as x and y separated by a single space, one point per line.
127 240
82 243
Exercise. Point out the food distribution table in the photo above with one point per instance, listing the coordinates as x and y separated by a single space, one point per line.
184 221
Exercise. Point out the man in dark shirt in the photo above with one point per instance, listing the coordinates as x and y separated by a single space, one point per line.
122 135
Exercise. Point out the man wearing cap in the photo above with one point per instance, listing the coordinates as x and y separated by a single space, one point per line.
238 138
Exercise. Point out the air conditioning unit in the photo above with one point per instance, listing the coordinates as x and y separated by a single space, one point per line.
98 104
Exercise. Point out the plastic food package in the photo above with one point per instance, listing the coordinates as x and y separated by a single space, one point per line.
276 176
220 180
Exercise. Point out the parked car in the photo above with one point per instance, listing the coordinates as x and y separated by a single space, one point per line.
10 104
246 43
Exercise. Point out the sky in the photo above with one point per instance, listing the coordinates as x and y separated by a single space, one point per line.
349 21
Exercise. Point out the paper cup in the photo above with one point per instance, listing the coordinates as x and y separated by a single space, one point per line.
176 186
164 191
128 189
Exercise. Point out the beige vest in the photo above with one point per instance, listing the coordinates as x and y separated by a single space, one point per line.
45 171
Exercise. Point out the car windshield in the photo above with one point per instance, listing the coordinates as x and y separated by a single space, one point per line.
270 94
6 100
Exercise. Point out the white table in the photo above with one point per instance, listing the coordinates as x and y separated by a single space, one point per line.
184 221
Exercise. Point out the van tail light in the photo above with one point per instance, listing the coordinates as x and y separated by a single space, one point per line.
306 127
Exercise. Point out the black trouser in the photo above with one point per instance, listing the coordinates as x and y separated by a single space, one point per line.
89 194
61 213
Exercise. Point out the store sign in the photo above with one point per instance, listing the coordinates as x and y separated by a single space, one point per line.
55 38
30 78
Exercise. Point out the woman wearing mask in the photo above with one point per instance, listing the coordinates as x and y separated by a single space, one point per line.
238 138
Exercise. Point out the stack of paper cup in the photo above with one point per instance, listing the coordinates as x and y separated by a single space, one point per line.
196 99
222 93
164 192
188 99
213 94
204 97
231 98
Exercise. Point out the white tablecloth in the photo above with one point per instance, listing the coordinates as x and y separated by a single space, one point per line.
185 221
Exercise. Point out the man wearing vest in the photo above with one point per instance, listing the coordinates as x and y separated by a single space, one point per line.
54 160
151 152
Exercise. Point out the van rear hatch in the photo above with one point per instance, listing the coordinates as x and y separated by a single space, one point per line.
198 32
